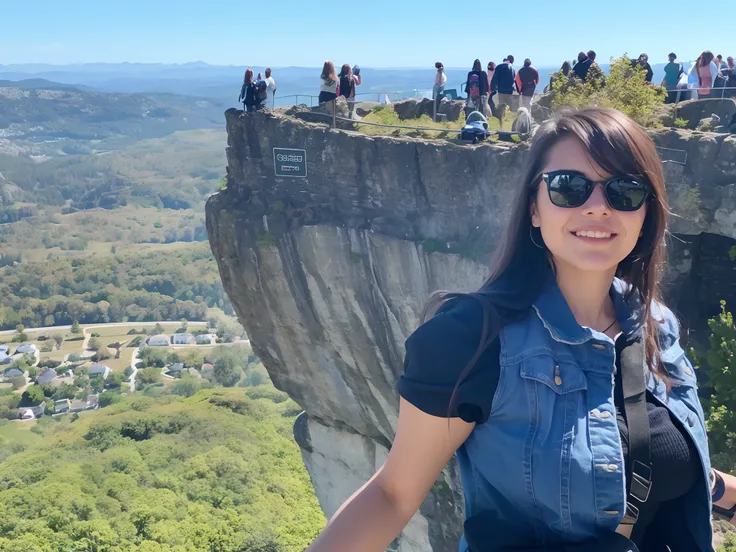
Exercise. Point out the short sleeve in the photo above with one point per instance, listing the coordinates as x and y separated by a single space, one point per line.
436 354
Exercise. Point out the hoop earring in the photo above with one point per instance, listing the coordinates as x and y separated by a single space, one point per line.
531 237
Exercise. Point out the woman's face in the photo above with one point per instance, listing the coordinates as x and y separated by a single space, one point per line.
568 232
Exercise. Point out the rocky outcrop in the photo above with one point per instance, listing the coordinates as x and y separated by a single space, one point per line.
329 273
416 107
695 110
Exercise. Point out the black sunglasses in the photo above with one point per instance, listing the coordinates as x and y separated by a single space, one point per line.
570 189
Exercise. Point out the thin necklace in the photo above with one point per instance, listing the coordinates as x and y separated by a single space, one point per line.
609 326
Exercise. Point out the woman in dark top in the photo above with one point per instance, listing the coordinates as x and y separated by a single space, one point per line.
248 92
522 378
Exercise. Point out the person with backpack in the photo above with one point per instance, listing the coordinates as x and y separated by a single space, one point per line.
248 92
261 87
526 83
348 81
560 385
582 66
477 88
672 73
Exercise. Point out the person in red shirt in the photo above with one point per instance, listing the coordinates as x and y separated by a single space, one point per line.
526 83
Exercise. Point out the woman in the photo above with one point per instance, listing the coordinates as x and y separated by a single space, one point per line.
248 92
702 74
440 79
328 83
563 72
476 87
522 378
491 93
730 78
348 82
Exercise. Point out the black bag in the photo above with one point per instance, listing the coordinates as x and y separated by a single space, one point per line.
261 90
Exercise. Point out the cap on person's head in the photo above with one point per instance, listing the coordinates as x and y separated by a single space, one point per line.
672 55
438 65
511 59
591 55
527 62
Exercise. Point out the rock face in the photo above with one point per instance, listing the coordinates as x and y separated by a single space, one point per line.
329 273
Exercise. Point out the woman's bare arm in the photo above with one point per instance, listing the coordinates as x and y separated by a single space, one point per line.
370 519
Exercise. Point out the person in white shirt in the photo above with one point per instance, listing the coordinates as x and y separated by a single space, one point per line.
439 84
271 88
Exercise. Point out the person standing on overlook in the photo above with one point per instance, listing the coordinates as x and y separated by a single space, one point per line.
504 81
526 83
563 73
561 384
702 74
248 92
440 79
730 78
491 69
271 88
328 85
476 86
672 72
582 66
348 81
642 62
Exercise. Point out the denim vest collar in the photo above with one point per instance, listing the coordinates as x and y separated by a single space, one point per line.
554 312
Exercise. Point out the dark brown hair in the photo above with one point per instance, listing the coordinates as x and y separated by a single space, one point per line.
518 268
268 73
248 78
477 65
704 59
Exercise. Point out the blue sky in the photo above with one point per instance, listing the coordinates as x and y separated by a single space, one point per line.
378 33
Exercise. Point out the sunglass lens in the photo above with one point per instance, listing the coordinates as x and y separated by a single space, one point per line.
625 195
567 190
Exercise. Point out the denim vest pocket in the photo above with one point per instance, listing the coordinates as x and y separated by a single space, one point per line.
678 368
561 377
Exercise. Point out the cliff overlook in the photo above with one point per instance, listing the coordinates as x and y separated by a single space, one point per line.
329 273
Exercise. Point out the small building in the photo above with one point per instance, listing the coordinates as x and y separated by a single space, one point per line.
31 412
26 348
204 339
46 377
62 405
93 402
13 372
160 340
100 370
183 339
78 406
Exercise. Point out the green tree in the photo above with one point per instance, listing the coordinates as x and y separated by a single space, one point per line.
58 339
148 375
75 327
94 344
625 89
32 396
64 391
20 328
158 329
226 371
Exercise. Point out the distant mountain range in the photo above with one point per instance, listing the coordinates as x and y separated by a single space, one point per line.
37 109
223 82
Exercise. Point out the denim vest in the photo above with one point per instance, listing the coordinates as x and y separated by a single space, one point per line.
547 467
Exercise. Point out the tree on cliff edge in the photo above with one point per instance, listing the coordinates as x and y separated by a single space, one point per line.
625 89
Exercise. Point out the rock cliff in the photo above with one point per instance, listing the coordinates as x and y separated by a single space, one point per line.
329 273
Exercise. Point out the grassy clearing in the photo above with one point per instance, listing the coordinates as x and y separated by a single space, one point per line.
19 433
387 116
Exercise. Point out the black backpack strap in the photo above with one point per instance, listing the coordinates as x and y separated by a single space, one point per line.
633 373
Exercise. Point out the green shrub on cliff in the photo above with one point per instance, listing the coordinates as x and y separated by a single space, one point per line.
624 89
217 471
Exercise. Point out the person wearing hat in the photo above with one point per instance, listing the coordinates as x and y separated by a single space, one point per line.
672 72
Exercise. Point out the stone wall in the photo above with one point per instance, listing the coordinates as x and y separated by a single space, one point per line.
329 273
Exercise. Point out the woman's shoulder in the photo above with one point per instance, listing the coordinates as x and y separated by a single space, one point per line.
438 352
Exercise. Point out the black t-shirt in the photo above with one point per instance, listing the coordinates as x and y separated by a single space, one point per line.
439 350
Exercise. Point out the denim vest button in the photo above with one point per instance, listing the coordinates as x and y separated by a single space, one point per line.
604 414
558 379
690 421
